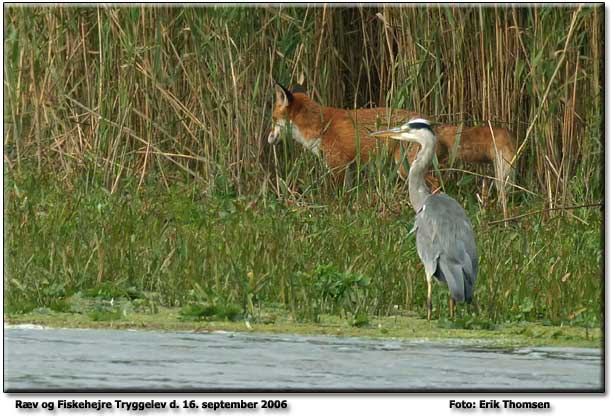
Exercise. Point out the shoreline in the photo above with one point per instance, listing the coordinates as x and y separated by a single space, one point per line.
523 334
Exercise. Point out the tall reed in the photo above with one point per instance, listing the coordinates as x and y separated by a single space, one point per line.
165 93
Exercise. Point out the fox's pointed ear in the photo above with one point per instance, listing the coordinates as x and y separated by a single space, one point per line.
282 94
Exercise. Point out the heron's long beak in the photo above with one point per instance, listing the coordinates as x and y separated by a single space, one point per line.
394 133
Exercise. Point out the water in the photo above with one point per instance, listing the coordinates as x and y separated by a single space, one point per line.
60 359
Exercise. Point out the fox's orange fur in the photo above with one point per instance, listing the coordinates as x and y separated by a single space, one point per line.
339 135
476 146
339 131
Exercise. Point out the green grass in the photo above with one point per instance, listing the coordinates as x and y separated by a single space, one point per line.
136 165
401 325
220 256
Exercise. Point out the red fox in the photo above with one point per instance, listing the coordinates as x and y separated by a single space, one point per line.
337 135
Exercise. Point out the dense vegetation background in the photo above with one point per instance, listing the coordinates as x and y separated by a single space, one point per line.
136 159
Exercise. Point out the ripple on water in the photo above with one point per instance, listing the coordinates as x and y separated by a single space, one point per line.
128 359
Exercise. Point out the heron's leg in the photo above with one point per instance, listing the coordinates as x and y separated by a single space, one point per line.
451 307
429 299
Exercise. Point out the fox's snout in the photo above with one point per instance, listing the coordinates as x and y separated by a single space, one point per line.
273 136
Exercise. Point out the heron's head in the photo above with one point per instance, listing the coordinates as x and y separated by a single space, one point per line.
415 130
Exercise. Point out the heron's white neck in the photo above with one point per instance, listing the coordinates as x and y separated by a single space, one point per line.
418 191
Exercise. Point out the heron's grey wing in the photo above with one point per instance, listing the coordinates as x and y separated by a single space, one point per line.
427 250
446 245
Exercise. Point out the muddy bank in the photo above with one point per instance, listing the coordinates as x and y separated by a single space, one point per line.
277 322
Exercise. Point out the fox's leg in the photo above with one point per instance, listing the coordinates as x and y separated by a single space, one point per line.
338 174
485 184
338 166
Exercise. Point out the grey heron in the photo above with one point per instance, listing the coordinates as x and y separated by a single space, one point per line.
444 236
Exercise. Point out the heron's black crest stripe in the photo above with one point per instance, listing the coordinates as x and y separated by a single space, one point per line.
418 126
